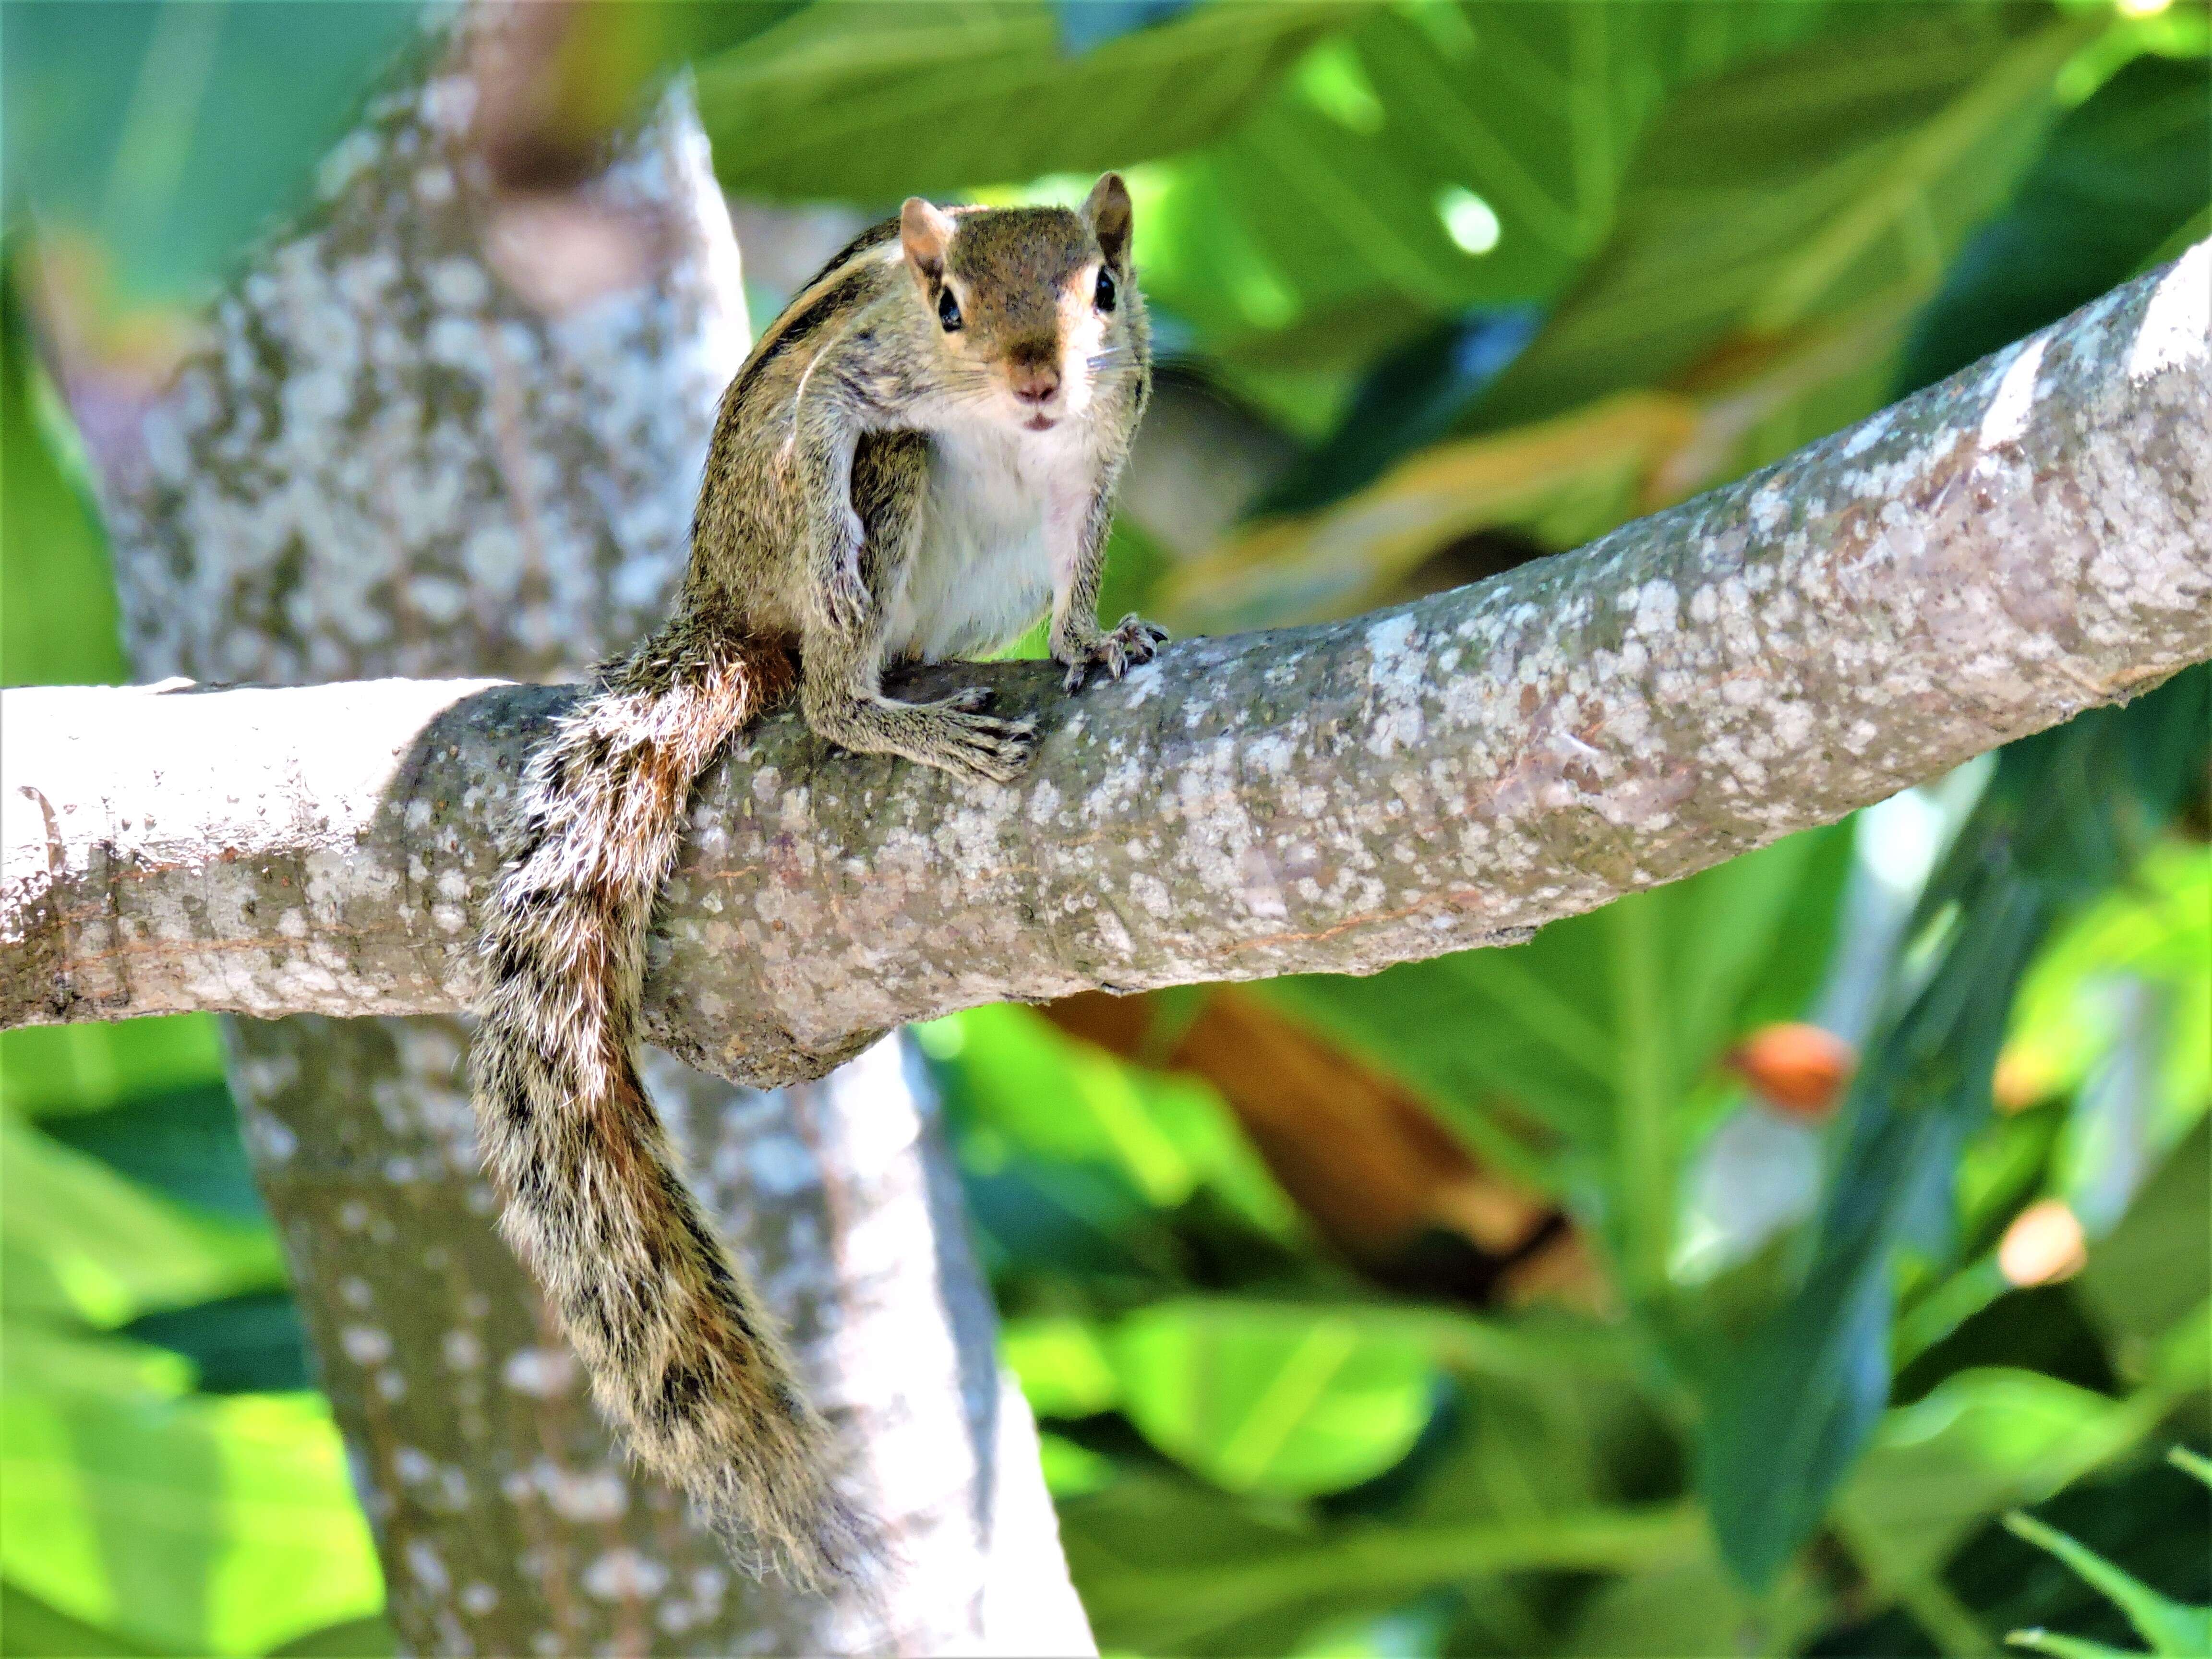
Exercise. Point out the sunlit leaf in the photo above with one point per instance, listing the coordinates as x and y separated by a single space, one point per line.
78 1237
1062 1364
75 1069
1773 236
210 1526
1284 1399
2142 956
1165 1136
1982 1441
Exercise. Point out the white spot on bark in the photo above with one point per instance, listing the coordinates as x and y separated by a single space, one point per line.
2005 422
1397 672
1871 432
1140 683
541 1373
2177 320
366 1345
600 1495
624 1573
425 1567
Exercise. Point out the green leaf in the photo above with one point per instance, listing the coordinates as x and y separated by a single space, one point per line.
2067 1647
2118 176
1284 1399
1319 232
92 1067
2066 813
174 132
2147 1275
2168 1625
1982 1440
40 1356
1166 1566
873 100
1556 480
59 620
75 1237
1604 1028
203 1526
350 1638
1790 1411
1691 1607
252 1344
1063 1366
1773 235
1805 188
1071 1470
1012 1072
2118 1010
28 1626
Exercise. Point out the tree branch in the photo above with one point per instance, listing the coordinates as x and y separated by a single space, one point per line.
1979 561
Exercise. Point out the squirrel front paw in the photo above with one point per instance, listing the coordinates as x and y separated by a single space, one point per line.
1132 641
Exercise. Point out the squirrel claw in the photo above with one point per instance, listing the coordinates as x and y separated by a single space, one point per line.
1131 641
995 748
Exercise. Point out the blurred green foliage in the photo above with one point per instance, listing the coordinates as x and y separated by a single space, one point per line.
1578 260
2168 1625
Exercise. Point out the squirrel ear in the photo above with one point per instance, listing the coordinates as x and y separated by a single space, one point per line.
1109 216
924 230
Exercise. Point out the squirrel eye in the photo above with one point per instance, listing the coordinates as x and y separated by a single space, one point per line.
1103 299
948 310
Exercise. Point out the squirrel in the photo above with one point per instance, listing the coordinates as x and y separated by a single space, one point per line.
918 454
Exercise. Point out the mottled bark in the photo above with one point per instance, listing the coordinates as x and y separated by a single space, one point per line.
1984 560
441 427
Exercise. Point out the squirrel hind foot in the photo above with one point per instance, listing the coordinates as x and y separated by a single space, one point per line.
947 734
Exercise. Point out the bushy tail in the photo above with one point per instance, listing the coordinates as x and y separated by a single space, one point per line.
681 1353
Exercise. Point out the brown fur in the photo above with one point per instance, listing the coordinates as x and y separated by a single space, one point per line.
863 445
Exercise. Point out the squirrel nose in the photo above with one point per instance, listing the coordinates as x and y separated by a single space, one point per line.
1035 383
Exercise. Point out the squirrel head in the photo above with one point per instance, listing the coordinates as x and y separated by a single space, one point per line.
1033 309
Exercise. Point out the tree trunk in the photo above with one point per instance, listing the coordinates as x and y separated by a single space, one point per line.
441 427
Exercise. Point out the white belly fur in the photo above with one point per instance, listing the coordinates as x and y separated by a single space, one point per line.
983 573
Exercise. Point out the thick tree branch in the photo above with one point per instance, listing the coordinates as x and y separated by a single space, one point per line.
1979 561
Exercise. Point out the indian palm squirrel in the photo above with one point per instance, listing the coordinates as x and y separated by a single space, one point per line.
918 454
